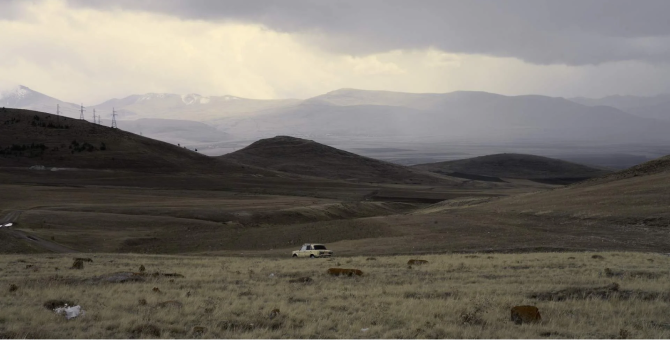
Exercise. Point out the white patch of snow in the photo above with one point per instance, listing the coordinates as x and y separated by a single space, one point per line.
204 100
16 93
229 98
189 99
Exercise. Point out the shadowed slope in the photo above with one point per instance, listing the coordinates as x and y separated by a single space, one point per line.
306 157
30 138
510 165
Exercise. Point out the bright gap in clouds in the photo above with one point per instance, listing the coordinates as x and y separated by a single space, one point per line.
87 55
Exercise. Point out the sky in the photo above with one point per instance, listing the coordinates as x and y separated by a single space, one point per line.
93 50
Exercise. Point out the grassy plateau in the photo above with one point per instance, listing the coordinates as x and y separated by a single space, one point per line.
579 295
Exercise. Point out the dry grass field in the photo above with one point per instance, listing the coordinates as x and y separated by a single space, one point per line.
452 296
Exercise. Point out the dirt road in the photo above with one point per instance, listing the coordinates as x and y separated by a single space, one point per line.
12 216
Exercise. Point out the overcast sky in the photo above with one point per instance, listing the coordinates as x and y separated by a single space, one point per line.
92 50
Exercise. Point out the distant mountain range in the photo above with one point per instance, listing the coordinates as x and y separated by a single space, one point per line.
657 107
477 116
382 115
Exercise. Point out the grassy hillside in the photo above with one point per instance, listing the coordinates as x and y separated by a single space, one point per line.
29 138
306 157
509 165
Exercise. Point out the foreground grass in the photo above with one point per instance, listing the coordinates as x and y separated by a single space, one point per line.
453 296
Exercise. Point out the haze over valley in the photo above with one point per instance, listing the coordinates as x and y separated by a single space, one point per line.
404 128
334 169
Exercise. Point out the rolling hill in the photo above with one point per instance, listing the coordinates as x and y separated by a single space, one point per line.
30 138
507 165
306 157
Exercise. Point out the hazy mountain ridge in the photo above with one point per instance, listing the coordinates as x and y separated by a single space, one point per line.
655 107
347 113
189 106
472 115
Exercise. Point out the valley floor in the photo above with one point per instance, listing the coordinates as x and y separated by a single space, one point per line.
579 295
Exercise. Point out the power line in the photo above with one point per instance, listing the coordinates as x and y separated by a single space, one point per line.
114 119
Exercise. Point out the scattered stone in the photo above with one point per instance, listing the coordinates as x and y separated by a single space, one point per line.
146 330
156 290
142 269
28 266
170 304
597 257
78 264
188 294
343 271
70 312
13 288
274 313
199 330
416 262
525 314
142 302
371 259
305 279
53 304
84 259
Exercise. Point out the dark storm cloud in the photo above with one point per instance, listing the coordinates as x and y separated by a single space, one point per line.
541 32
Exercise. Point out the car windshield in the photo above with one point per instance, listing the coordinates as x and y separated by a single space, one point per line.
319 247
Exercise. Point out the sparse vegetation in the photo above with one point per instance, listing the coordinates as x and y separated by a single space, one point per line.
19 150
452 296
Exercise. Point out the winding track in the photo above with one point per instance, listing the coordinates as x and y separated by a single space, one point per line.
12 216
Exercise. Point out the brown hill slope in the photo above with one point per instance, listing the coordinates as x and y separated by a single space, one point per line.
655 166
634 197
510 165
306 157
29 138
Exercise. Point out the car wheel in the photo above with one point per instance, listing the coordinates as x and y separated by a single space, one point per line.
312 256
295 255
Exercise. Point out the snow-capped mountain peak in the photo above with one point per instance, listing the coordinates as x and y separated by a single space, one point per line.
17 93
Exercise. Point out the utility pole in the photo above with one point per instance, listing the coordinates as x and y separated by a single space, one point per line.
81 116
94 120
114 119
57 111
